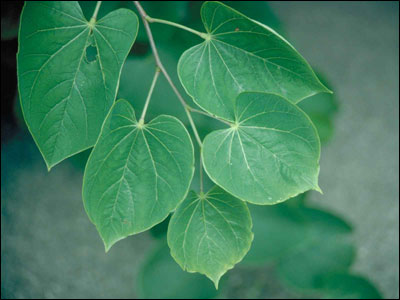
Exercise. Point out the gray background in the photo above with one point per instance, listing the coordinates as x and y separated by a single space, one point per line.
356 44
50 249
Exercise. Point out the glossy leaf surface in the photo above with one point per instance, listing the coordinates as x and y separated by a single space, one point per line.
68 73
270 154
210 233
136 174
239 55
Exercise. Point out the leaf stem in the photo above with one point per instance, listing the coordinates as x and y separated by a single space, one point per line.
153 84
201 175
208 115
160 65
154 20
96 11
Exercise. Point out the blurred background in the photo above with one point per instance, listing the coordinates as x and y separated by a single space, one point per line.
344 243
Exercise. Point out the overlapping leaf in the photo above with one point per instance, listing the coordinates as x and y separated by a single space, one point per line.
136 174
239 55
210 233
65 95
270 154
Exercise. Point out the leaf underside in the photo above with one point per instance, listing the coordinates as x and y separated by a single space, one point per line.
136 174
210 233
270 154
65 94
242 55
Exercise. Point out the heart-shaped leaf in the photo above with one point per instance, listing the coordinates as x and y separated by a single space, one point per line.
268 155
68 73
210 233
137 173
239 55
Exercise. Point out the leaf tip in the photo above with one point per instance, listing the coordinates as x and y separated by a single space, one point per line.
48 166
216 282
318 189
107 245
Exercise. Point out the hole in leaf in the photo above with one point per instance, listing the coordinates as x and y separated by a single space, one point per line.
140 48
91 53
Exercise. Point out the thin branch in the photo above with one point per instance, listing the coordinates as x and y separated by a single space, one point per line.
203 35
96 11
208 115
160 65
201 175
153 84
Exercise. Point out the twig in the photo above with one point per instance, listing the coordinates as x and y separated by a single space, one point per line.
200 34
160 65
96 11
146 104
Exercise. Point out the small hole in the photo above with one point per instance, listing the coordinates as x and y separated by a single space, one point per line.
91 53
140 49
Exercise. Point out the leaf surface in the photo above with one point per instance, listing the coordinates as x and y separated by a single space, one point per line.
239 55
268 155
68 73
210 233
136 174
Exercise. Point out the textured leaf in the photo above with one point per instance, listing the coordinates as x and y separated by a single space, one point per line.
270 154
328 248
161 278
136 174
242 55
210 233
346 286
66 94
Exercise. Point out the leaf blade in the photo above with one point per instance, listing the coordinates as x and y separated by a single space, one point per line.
136 174
272 144
60 90
243 55
225 226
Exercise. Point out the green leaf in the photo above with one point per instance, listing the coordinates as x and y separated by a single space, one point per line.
210 233
270 154
136 174
64 94
278 229
327 248
239 55
346 286
161 278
